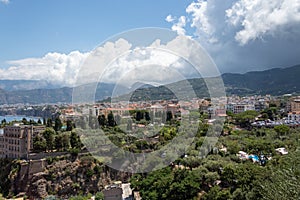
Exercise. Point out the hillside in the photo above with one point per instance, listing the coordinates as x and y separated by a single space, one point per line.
56 95
277 81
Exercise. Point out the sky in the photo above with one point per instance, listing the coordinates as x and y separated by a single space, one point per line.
48 39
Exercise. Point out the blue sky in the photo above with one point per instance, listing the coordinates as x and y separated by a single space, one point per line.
47 39
33 28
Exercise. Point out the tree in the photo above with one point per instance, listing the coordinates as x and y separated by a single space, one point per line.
283 182
58 142
282 129
57 124
69 125
65 141
31 122
49 122
62 142
39 144
167 184
211 177
111 120
75 140
139 115
99 196
271 112
39 121
49 135
24 121
244 119
169 116
228 175
3 122
102 120
147 116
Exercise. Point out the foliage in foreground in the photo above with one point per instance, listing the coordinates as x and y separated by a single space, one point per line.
224 176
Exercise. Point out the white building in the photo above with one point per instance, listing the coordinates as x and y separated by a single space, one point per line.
294 116
239 108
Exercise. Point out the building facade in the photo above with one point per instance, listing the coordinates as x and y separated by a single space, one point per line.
17 140
294 116
295 105
239 107
2 146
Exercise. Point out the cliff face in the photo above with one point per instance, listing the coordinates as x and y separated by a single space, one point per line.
63 178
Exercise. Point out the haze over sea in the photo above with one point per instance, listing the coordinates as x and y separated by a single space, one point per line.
10 118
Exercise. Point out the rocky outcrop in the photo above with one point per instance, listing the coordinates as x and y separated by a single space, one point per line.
63 177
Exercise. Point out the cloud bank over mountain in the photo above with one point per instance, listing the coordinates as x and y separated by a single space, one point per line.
244 35
56 68
112 62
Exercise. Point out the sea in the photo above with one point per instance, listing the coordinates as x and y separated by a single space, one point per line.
10 118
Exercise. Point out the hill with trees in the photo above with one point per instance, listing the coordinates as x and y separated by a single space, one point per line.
277 81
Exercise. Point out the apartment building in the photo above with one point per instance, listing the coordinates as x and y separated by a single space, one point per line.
17 140
294 116
295 104
2 146
238 108
260 105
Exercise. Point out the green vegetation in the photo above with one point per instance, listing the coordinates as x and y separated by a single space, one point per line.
220 174
244 119
9 169
284 181
99 196
223 175
54 138
210 172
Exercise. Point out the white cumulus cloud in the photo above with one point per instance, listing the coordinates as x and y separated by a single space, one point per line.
56 68
261 17
62 69
5 1
178 24
150 63
247 20
244 35
169 18
110 63
200 19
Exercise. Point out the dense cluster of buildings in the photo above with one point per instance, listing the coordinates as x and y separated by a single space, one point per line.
237 104
234 104
293 108
17 141
123 109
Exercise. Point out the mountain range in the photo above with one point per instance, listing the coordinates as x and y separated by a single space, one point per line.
276 81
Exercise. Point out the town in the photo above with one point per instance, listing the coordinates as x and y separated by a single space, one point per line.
53 136
16 140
